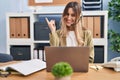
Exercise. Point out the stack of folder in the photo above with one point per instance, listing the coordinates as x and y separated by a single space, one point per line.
93 23
92 4
19 27
39 54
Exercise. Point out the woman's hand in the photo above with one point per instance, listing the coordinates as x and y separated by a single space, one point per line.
78 32
51 25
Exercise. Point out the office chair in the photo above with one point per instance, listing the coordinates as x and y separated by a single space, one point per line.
5 57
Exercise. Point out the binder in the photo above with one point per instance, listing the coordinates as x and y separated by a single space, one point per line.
90 23
97 27
44 56
12 28
18 28
41 54
35 54
24 28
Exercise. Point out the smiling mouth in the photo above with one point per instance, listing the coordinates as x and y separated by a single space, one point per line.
69 21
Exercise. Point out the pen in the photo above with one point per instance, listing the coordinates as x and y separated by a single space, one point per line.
4 74
96 67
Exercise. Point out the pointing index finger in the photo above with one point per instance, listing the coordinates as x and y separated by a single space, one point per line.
47 20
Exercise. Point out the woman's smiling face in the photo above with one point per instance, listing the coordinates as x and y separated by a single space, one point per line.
70 17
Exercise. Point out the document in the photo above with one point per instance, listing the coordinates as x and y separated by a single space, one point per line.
26 67
43 1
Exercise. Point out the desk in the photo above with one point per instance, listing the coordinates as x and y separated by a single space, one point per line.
102 74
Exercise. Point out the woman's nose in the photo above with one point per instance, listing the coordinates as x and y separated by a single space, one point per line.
69 17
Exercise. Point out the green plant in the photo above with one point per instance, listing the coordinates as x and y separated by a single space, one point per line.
62 69
114 9
114 40
114 13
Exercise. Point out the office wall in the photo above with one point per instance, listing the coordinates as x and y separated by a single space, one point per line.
5 6
22 6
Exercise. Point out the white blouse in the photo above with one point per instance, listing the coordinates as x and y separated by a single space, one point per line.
71 39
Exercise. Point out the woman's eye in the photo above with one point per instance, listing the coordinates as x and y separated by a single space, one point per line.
73 15
67 14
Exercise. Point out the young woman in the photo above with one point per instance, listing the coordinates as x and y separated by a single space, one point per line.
72 32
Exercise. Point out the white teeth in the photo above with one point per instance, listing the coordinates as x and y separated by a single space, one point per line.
68 21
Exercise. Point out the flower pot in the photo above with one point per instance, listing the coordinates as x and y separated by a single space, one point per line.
63 78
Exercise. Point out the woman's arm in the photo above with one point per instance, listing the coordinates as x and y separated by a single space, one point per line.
54 39
53 36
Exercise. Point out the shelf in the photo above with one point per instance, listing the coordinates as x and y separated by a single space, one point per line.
19 43
45 41
100 40
95 41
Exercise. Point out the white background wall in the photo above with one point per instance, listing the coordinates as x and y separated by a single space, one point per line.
22 5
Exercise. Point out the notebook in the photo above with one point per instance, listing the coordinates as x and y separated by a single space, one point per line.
25 67
77 57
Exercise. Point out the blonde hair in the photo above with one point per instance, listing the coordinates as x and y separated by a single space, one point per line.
78 22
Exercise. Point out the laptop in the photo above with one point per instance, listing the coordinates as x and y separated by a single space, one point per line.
77 57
